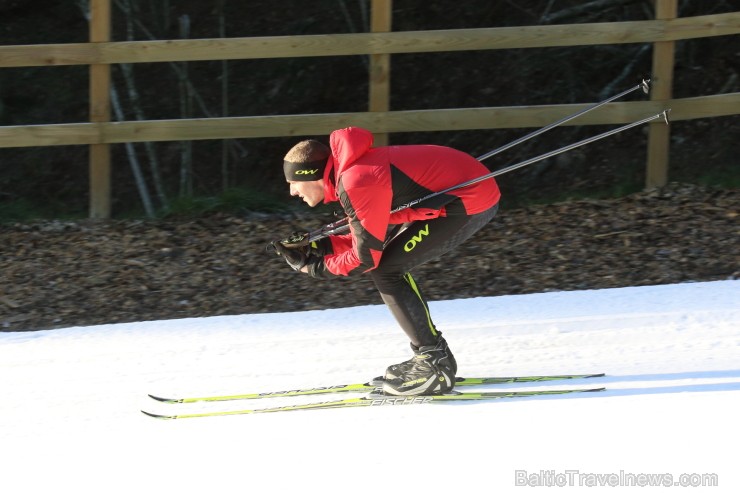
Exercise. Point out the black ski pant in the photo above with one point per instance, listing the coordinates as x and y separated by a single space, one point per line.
418 243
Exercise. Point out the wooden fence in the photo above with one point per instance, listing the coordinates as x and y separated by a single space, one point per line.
100 53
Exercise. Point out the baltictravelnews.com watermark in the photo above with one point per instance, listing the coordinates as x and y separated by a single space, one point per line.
574 477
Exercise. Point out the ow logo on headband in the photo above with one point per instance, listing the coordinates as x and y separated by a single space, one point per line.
306 172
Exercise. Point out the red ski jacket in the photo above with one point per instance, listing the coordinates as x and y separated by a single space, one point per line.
370 182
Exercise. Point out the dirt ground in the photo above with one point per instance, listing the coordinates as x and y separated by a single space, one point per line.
61 274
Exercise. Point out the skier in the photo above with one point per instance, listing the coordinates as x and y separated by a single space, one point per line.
369 183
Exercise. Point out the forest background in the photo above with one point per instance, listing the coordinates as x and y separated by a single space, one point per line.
244 174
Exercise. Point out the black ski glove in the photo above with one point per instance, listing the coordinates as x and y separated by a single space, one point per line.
298 252
316 267
296 257
299 241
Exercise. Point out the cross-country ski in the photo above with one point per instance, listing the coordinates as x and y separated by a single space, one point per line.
379 399
367 387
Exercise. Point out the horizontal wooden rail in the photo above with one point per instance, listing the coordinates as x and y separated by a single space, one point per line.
392 121
371 43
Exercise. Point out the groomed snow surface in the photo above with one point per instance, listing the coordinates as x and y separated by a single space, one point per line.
70 400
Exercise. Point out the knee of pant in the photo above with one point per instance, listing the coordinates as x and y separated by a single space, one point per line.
386 271
386 278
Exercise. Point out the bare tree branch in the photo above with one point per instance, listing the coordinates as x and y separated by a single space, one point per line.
626 71
730 84
583 8
193 91
547 11
225 175
84 6
128 7
186 103
133 159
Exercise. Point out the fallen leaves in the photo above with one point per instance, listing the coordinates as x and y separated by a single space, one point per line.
67 273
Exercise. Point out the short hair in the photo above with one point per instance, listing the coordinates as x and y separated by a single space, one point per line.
307 151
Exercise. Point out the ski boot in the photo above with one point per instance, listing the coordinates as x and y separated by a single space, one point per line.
431 371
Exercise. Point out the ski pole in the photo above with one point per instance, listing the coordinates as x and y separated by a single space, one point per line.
342 225
541 157
643 85
330 229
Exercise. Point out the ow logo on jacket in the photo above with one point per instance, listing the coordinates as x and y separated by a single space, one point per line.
411 244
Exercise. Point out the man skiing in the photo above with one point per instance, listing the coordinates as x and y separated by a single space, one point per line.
369 183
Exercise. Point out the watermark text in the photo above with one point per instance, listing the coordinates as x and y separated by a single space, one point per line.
574 477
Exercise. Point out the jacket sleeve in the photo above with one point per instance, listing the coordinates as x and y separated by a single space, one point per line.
368 208
363 187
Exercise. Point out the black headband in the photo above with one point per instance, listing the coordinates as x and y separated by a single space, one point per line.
310 171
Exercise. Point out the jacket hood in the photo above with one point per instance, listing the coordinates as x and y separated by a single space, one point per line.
330 186
348 145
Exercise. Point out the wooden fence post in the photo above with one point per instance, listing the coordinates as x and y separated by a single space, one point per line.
380 64
100 111
659 138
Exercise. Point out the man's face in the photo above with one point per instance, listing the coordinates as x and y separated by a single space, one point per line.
312 192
